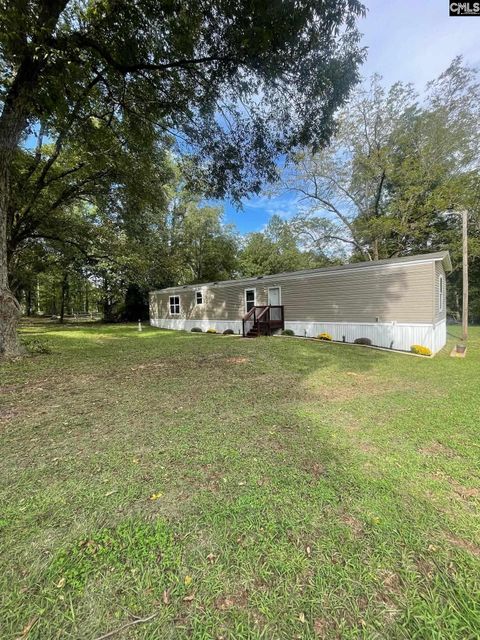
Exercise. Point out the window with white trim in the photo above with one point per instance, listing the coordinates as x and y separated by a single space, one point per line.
441 293
199 297
174 303
249 299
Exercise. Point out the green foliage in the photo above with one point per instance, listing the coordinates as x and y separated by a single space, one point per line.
420 350
275 250
196 330
228 332
36 346
211 331
130 545
365 341
288 332
205 249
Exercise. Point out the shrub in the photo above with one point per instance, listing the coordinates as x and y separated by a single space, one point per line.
287 332
366 341
419 350
325 336
36 346
228 332
196 330
211 331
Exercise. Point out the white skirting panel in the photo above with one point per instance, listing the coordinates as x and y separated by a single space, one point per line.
391 335
439 336
187 325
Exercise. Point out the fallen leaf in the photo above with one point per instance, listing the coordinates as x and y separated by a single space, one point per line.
156 496
211 558
166 597
301 617
60 583
187 580
309 551
189 598
110 493
26 629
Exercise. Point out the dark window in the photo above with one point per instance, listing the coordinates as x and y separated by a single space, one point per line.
249 299
174 305
199 297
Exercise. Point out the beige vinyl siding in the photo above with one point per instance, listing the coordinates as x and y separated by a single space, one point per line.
219 302
439 315
402 293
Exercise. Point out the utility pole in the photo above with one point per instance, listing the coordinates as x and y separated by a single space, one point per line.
465 274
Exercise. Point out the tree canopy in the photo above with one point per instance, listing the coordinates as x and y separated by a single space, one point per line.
106 84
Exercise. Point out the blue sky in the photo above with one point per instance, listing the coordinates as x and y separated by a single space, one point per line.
407 40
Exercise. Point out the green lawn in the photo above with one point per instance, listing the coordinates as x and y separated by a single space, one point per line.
268 488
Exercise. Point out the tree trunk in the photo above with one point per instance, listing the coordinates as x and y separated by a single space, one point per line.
17 107
29 306
64 298
9 306
38 298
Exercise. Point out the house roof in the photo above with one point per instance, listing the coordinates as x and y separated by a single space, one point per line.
440 256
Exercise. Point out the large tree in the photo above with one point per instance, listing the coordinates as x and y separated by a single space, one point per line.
277 248
399 162
236 83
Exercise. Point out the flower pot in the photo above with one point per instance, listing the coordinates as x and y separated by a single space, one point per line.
461 348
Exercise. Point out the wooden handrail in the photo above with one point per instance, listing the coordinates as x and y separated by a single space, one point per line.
263 322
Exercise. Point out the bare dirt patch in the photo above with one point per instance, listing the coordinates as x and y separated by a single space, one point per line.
355 385
237 360
315 469
238 600
438 449
471 547
352 523
7 414
366 447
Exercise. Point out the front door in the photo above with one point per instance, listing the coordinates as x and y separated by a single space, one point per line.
274 296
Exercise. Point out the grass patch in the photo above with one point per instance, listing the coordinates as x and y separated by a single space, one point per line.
237 488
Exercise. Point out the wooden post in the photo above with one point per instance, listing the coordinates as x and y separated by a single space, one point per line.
465 274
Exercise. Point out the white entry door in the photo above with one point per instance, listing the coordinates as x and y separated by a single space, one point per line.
274 296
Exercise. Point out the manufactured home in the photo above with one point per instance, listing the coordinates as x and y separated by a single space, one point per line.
395 303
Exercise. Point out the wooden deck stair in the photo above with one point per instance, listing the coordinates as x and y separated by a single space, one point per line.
263 320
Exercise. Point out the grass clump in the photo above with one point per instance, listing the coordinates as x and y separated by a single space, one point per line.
228 332
126 549
36 346
288 332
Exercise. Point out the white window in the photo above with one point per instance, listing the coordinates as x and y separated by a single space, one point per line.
441 293
174 305
199 297
249 299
